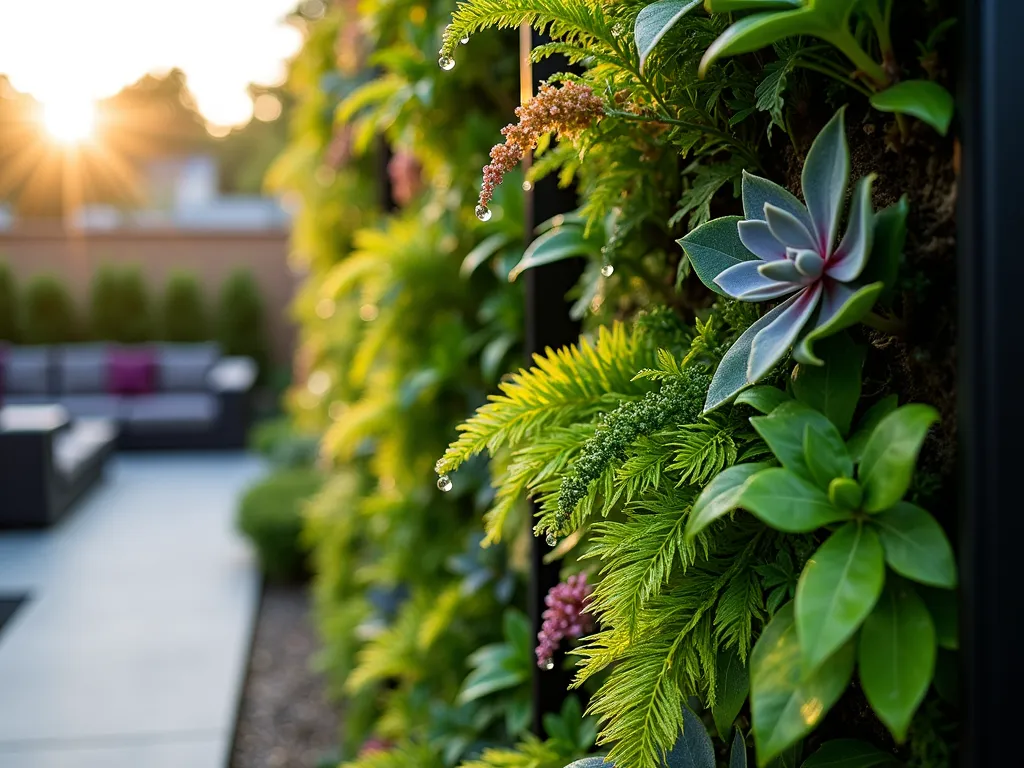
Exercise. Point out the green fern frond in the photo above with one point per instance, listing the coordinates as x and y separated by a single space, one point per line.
529 753
572 384
701 451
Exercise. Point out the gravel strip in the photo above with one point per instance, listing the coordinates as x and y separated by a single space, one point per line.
285 720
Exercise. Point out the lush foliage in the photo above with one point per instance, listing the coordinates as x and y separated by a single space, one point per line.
183 311
240 325
9 305
270 515
121 309
48 313
750 547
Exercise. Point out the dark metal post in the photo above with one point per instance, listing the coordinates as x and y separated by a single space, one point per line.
991 406
547 325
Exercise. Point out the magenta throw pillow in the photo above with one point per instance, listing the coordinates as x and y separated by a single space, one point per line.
131 371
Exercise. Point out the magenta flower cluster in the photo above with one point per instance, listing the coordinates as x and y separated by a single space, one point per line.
566 616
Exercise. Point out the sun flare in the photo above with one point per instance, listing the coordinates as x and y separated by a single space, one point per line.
70 121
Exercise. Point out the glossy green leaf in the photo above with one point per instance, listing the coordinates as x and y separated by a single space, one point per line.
759 31
832 388
897 657
839 586
721 496
483 251
785 703
738 751
783 430
923 99
714 247
916 546
556 244
887 464
789 503
848 753
655 20
874 415
853 311
826 456
763 398
693 748
887 248
945 611
845 493
730 691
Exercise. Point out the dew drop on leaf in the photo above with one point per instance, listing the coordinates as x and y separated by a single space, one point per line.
447 63
551 539
465 39
444 483
483 212
549 665
607 270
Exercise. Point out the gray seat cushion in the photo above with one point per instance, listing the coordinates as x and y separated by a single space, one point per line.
26 371
185 411
27 399
81 445
94 406
183 367
82 369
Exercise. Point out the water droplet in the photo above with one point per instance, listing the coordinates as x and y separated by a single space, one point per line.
447 63
549 664
527 185
444 483
483 212
551 540
607 270
464 40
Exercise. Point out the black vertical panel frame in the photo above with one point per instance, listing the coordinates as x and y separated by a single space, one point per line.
547 325
991 278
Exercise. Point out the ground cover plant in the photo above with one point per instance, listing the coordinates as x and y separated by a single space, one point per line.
744 466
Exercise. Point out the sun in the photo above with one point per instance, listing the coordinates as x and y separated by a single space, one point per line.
69 121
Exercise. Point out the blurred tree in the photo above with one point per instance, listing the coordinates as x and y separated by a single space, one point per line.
120 306
9 330
184 312
49 314
241 329
246 153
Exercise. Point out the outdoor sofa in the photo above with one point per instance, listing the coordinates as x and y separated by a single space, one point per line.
161 395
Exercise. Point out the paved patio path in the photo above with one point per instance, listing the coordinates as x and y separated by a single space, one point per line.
132 647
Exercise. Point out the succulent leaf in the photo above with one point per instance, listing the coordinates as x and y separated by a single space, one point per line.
759 240
824 178
841 307
758 191
746 282
713 248
787 229
784 270
774 341
851 256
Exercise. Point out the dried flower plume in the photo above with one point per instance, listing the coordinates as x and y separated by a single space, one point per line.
565 111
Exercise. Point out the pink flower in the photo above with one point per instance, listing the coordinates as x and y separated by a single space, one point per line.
566 616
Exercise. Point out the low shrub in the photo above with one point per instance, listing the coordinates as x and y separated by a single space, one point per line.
270 515
283 444
184 310
9 330
49 315
240 321
120 306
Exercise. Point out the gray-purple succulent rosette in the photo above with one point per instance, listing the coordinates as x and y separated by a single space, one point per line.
783 249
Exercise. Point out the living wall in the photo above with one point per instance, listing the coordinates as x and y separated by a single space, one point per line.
746 465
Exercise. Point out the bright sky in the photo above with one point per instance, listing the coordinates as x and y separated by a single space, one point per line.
73 50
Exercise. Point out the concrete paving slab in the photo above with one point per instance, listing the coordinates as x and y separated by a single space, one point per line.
136 631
